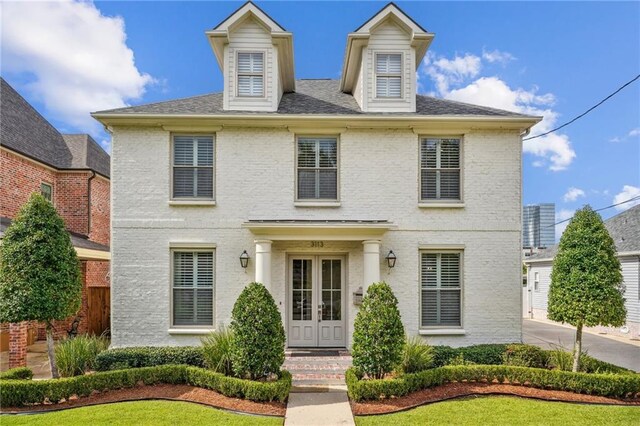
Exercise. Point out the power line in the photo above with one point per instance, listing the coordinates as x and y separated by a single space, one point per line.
600 209
586 112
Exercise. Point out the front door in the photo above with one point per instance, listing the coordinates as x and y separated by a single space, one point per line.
316 301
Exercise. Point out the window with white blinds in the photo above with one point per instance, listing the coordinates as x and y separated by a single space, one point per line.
192 288
193 167
440 290
388 75
317 169
439 169
251 74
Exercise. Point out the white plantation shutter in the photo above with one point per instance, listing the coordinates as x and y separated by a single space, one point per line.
193 288
250 74
440 290
193 167
439 169
388 75
317 168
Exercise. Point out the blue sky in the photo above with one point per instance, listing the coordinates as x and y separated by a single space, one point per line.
554 59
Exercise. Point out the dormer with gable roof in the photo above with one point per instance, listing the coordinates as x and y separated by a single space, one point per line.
381 60
255 55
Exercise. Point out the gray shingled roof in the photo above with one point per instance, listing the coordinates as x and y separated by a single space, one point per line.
24 130
311 97
77 240
624 228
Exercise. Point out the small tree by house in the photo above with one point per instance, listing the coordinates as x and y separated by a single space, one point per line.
257 346
378 336
40 277
586 281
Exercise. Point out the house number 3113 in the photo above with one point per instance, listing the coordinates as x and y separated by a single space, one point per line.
317 244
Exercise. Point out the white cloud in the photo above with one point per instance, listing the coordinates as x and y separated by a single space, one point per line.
628 192
563 215
78 58
445 72
635 132
615 140
573 194
497 56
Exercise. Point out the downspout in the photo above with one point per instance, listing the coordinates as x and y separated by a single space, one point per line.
93 175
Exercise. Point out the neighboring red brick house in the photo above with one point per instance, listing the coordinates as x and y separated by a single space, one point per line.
73 172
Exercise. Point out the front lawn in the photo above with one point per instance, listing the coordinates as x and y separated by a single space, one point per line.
139 413
507 411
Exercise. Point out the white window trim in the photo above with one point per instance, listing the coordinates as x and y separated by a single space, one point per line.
536 281
191 248
192 201
316 202
375 76
50 185
439 203
263 74
439 329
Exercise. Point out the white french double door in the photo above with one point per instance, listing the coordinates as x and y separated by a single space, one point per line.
316 294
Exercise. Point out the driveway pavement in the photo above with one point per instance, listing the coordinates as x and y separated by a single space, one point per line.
549 336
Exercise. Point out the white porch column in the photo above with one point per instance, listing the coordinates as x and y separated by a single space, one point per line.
371 263
263 262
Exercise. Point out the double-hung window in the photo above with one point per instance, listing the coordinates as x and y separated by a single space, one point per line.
46 190
193 167
251 74
536 281
440 169
388 75
317 169
440 289
192 288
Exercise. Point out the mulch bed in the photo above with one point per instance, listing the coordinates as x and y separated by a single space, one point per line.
169 392
456 390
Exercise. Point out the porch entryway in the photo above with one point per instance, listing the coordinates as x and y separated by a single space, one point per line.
316 298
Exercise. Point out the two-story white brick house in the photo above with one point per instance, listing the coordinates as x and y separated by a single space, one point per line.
312 187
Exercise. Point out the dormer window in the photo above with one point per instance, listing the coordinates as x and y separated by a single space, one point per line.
389 75
251 74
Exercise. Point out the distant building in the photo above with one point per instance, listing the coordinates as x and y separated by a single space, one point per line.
538 225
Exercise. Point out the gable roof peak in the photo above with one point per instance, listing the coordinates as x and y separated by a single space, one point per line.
390 11
249 9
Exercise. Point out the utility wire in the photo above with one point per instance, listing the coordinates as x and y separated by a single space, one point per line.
597 210
586 112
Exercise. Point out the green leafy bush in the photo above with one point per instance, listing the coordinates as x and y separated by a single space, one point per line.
15 393
485 354
378 337
417 355
525 356
216 350
77 355
610 385
18 373
148 356
257 348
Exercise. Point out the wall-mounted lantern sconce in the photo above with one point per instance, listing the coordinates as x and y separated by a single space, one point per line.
391 259
244 259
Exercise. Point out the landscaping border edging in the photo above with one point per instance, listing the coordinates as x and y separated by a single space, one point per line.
16 393
608 385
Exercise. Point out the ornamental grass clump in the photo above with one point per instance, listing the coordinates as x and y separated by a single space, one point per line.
216 350
77 355
257 347
378 337
417 356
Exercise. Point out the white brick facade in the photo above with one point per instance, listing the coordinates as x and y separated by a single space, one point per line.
254 179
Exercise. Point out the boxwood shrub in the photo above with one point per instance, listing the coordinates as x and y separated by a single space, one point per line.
485 354
15 393
148 356
610 385
19 373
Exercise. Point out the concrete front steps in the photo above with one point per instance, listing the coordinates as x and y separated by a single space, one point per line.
317 368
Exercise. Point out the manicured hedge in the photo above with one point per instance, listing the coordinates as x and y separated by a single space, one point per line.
148 356
19 373
22 392
611 385
486 354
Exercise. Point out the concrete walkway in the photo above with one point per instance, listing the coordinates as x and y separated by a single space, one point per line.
37 360
319 408
549 336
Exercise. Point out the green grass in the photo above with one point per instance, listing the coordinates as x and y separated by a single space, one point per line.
507 411
140 413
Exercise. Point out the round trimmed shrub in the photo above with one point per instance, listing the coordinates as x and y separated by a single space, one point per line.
257 347
378 337
525 356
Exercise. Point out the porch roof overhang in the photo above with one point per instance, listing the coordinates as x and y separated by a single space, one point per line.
331 230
